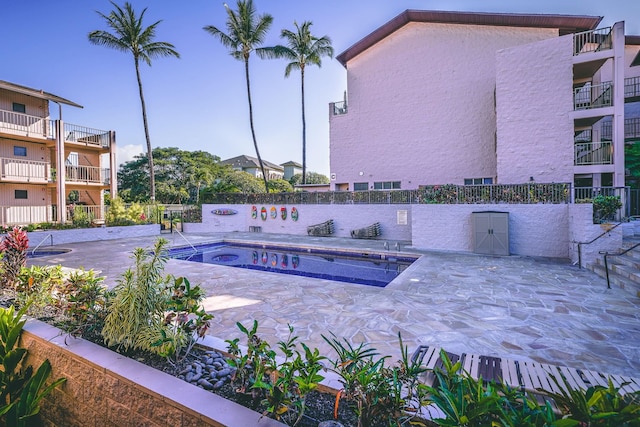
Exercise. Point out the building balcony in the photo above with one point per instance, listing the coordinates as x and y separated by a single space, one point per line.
632 89
631 129
87 175
338 108
593 153
43 128
24 171
592 41
26 125
590 96
21 215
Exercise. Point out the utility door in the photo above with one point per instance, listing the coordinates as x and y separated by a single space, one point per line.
491 233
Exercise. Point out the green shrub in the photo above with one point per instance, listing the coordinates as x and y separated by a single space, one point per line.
20 389
35 287
605 207
81 218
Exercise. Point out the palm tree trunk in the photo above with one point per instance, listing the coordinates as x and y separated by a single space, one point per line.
304 131
152 179
253 132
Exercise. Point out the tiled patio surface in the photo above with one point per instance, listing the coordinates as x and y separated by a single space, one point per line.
515 307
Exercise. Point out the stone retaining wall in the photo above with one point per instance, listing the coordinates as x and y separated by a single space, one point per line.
104 388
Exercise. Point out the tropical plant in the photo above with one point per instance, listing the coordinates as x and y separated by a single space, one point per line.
605 207
14 250
83 299
311 178
81 218
233 182
184 316
139 301
246 31
302 49
130 35
280 186
20 389
36 285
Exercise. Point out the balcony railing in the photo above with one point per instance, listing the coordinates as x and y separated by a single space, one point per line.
631 129
339 108
87 174
93 212
85 135
13 169
22 215
632 87
593 153
593 96
592 41
20 123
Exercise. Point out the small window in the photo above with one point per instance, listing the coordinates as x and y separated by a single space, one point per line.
19 108
360 186
386 185
478 181
19 151
21 194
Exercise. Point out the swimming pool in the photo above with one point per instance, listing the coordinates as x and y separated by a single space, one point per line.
360 268
46 252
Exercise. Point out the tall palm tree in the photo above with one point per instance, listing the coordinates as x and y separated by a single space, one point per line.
246 31
129 35
302 49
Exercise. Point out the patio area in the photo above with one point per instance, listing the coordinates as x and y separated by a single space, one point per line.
514 307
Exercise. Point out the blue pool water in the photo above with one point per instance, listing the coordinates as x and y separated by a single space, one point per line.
46 252
365 269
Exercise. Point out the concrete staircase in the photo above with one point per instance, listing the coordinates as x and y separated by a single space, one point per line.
624 270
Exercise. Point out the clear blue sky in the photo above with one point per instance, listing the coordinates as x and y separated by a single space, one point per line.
199 102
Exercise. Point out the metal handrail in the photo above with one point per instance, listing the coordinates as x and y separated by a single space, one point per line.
606 265
33 252
590 242
186 240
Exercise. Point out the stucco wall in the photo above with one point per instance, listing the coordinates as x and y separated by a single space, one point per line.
534 230
106 389
345 217
421 106
91 234
534 99
582 231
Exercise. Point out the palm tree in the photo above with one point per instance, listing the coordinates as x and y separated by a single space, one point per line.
129 35
302 48
245 32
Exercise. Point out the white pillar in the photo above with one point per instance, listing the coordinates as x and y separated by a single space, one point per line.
61 197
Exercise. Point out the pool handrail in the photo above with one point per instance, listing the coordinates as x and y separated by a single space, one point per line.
185 239
33 252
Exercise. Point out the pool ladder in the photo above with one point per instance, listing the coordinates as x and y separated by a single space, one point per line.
185 239
397 246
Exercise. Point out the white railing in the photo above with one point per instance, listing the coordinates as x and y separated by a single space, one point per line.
87 174
13 169
593 96
22 215
95 212
85 135
592 41
13 122
593 153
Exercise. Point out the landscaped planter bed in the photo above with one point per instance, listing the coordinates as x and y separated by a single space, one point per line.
105 388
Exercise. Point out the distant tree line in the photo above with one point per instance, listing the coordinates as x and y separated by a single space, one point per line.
189 176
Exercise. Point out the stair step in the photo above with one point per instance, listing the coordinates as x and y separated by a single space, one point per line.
626 259
616 280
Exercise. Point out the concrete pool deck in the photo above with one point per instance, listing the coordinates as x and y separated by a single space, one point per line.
515 307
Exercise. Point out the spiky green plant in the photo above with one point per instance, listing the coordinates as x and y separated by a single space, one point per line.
139 301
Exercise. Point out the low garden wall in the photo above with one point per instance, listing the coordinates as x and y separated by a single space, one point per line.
104 388
77 235
541 230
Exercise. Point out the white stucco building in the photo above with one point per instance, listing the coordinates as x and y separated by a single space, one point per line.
479 98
